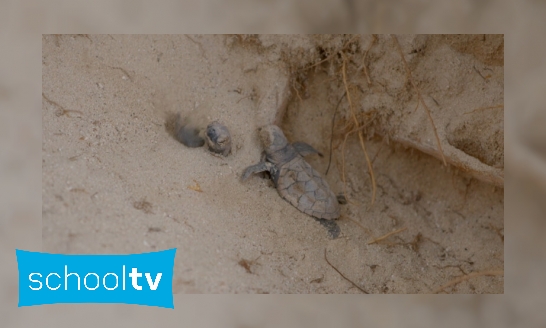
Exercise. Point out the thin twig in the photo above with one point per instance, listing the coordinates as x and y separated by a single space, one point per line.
484 108
332 133
358 129
243 98
123 71
480 74
331 55
377 153
469 276
364 59
297 92
343 168
360 137
61 110
361 226
408 72
386 236
341 274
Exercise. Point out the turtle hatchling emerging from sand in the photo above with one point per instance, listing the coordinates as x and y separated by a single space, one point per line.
217 136
296 181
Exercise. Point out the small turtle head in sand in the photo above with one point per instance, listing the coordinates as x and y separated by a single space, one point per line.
218 138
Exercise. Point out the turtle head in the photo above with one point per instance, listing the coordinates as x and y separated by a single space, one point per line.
272 138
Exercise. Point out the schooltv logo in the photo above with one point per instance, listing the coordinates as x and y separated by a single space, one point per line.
143 279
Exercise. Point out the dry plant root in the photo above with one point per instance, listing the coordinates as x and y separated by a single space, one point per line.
386 236
484 108
467 277
364 68
408 72
360 136
341 274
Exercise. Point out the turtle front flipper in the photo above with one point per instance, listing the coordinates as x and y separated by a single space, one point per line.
257 168
304 149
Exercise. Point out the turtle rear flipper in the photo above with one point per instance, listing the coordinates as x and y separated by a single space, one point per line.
331 226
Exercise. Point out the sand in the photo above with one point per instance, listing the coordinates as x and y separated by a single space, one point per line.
115 180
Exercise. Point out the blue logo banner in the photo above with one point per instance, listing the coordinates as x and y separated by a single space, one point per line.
143 279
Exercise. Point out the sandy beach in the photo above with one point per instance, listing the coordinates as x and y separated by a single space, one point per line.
114 180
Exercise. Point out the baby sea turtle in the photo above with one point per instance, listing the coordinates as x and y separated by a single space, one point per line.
296 181
218 138
217 135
